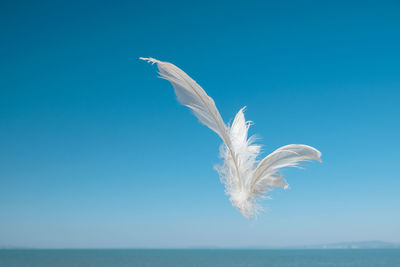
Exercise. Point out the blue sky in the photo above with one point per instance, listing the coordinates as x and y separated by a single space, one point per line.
96 151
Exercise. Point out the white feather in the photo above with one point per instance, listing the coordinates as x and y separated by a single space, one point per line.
246 180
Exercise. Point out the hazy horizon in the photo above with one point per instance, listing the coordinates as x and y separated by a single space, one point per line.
373 244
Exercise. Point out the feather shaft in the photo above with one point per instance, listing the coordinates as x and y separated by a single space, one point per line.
201 104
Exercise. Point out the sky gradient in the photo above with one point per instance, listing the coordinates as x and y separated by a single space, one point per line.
96 152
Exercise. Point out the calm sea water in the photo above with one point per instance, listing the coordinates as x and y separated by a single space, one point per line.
201 257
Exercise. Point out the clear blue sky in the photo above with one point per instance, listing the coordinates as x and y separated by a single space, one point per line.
95 151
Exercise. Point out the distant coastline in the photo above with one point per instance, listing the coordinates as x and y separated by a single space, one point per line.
355 245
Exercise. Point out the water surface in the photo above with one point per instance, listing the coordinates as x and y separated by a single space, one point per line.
201 257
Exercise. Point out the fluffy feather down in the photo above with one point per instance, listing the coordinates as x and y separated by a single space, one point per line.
246 179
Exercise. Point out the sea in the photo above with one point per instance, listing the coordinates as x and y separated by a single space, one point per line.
200 257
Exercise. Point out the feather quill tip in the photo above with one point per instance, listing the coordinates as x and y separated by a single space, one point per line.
149 60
